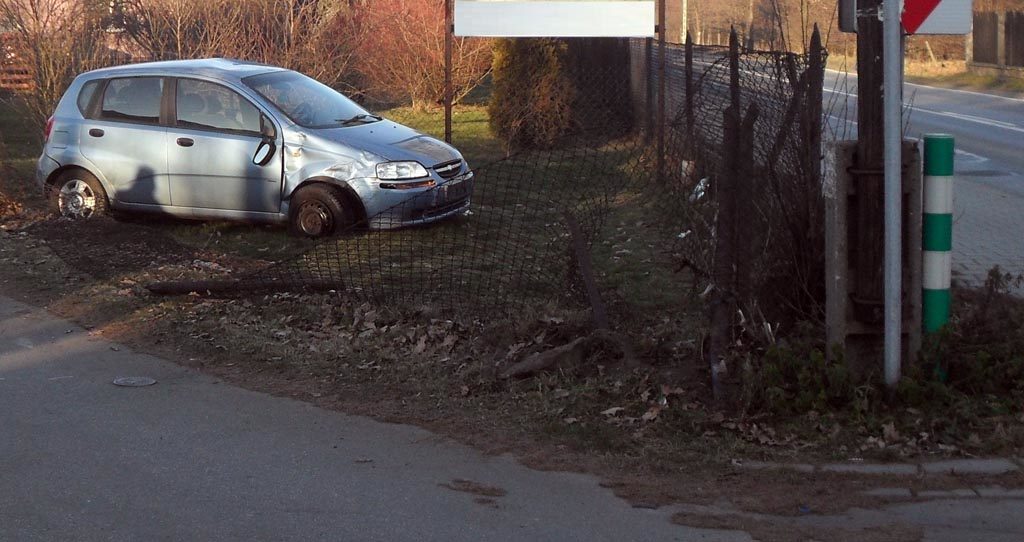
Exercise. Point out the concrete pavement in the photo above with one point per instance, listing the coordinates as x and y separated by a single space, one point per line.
191 458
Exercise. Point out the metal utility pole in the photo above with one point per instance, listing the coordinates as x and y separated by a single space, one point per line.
893 107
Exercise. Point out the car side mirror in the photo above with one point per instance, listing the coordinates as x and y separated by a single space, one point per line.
268 146
264 153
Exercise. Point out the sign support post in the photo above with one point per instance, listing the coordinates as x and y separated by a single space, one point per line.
893 269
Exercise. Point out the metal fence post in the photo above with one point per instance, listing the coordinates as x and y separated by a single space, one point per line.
449 30
938 229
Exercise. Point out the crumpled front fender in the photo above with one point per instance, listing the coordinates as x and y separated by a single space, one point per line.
347 167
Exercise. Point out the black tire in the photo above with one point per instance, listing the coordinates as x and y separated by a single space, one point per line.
78 194
318 210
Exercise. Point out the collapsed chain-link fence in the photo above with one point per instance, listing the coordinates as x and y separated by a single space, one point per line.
544 223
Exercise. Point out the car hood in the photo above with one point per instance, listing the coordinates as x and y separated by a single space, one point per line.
394 142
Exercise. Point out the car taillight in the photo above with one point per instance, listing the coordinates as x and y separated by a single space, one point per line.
49 128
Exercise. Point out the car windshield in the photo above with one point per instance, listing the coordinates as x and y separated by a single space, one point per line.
308 102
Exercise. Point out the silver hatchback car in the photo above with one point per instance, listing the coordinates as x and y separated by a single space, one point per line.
227 139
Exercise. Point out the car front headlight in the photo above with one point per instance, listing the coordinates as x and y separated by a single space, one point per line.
396 171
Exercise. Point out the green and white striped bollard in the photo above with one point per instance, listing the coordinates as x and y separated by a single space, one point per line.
938 229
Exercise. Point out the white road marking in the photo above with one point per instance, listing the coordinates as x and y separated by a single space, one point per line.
842 119
959 116
970 92
971 118
974 158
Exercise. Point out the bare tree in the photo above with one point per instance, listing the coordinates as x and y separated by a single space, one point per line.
57 39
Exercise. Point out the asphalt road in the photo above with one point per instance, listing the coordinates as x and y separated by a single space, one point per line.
191 458
989 188
989 129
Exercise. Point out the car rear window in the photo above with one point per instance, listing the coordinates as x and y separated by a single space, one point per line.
133 99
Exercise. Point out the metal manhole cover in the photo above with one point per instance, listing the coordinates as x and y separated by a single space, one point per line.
134 381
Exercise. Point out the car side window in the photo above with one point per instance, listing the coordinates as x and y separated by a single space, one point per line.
133 99
208 106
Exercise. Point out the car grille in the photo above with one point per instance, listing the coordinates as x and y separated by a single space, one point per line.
448 170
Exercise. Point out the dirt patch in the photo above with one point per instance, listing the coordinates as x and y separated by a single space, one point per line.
104 248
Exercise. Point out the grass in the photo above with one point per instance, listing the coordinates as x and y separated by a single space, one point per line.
515 242
971 81
471 131
20 145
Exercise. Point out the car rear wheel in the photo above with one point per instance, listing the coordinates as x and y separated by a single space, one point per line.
318 211
78 195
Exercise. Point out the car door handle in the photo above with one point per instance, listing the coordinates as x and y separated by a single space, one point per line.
96 132
185 142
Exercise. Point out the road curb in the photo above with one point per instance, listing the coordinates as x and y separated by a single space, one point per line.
974 467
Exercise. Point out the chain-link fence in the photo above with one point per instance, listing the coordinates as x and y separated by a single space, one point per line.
621 200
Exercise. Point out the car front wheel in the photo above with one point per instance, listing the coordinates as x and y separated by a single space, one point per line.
318 211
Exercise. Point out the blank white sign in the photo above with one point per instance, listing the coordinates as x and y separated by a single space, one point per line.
540 19
949 17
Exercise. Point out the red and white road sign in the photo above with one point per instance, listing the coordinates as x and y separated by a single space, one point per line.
937 16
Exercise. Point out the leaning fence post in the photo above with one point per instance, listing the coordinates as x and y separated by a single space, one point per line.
723 270
661 90
689 93
728 269
938 229
649 89
813 118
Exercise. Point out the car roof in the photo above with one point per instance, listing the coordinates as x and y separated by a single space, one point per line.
217 68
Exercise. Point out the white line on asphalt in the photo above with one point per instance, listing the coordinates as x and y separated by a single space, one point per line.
834 91
958 116
842 119
977 157
971 118
970 92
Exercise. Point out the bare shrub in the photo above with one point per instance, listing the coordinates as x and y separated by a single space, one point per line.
57 40
401 53
315 37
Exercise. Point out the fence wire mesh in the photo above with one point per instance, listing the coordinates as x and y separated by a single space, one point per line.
524 224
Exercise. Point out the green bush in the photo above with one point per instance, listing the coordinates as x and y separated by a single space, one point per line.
975 362
533 94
